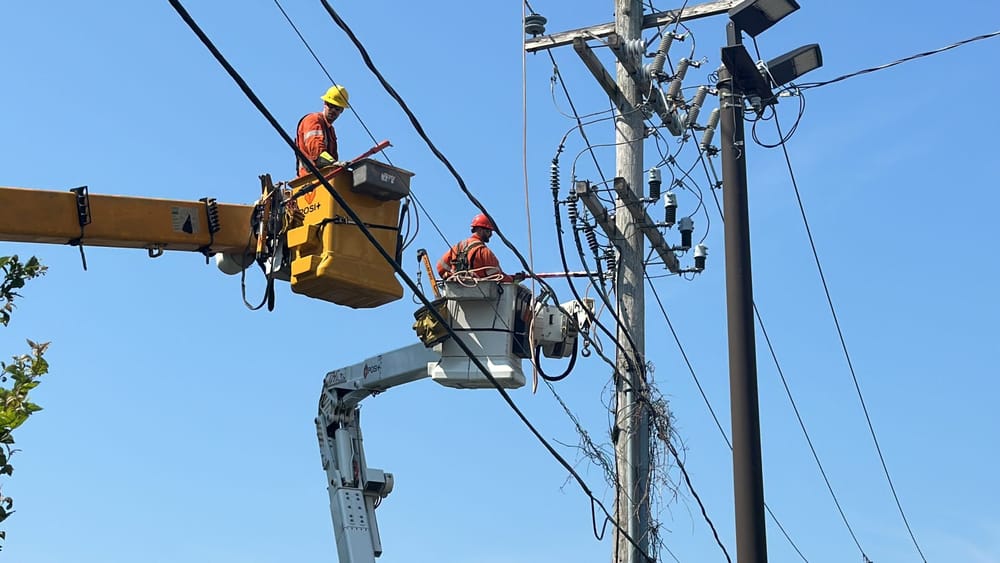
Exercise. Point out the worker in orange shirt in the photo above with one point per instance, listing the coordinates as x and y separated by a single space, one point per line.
315 135
472 257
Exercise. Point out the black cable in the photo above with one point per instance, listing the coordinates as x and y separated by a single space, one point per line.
576 115
711 410
843 342
561 376
784 139
182 12
243 272
631 362
802 425
900 61
328 76
423 135
701 505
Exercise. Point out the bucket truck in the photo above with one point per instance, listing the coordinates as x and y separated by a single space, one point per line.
499 322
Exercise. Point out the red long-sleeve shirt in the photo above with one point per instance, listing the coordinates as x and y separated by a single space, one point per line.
481 260
315 135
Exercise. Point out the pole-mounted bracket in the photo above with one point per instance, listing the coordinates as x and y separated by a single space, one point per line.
649 20
647 225
596 68
82 217
584 191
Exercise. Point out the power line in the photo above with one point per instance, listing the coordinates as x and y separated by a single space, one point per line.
637 363
356 115
327 73
802 425
843 342
788 392
900 61
708 403
701 505
182 12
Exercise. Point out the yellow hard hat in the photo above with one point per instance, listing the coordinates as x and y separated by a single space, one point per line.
336 95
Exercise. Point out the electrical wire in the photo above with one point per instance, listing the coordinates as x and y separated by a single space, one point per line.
182 12
576 115
784 139
701 505
423 135
711 410
363 125
843 342
802 425
444 160
524 169
809 85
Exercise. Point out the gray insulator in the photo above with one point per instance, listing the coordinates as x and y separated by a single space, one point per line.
699 99
635 48
675 84
534 24
654 184
713 122
656 69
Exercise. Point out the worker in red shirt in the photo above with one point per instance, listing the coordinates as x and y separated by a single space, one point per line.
472 257
315 136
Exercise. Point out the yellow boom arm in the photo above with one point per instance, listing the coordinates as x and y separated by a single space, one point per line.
28 215
328 256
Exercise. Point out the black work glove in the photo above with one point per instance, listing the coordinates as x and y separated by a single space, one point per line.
324 160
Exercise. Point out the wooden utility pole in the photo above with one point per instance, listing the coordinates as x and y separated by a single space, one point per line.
628 232
632 416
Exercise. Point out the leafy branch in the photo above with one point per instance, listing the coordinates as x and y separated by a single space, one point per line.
20 377
15 274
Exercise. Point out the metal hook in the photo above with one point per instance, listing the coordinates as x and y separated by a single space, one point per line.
155 251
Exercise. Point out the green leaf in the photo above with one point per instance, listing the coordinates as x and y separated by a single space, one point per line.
40 366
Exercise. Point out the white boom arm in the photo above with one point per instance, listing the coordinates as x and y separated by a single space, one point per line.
356 489
491 320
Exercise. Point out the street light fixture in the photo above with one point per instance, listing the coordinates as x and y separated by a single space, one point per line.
794 64
755 16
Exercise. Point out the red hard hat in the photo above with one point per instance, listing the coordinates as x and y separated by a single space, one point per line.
483 221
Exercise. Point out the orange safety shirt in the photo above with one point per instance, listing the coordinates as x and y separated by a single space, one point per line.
315 135
481 260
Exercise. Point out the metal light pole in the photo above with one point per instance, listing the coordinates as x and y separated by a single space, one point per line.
748 476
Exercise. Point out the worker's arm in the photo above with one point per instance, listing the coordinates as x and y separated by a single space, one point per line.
444 264
485 264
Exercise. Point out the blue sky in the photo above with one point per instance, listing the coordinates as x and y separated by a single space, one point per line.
178 424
